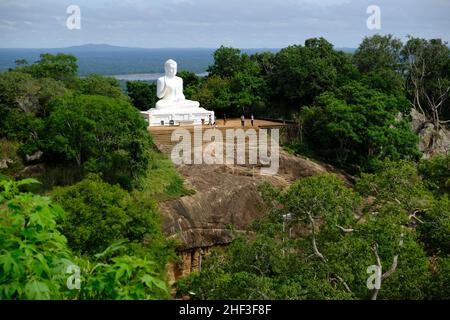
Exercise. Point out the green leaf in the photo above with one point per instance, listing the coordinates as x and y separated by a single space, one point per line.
37 290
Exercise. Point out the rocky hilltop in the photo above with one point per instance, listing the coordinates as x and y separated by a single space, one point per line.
225 195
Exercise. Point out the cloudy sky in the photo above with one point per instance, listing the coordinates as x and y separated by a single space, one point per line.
210 23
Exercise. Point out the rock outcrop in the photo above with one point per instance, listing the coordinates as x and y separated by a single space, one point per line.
30 171
227 196
431 141
5 163
225 203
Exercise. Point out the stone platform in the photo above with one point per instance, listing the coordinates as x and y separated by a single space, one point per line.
164 117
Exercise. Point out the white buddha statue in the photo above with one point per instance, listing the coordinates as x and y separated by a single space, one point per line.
174 108
170 89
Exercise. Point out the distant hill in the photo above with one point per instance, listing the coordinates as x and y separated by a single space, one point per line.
113 60
99 48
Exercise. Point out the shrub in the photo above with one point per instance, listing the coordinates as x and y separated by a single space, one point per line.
98 214
99 134
33 253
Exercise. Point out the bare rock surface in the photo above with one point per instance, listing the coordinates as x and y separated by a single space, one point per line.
227 196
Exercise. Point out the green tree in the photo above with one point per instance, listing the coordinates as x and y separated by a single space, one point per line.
95 84
214 93
227 61
301 73
436 173
427 64
23 102
434 227
35 258
379 53
287 258
98 214
356 127
247 86
114 275
34 254
396 182
142 94
438 288
191 83
62 67
99 134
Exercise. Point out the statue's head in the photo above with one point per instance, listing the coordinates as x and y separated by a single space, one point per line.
171 68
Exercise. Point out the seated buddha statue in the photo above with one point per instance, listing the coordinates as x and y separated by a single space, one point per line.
169 89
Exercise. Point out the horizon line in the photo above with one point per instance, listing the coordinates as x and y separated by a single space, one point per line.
154 48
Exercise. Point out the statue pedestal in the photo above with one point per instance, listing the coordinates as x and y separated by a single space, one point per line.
179 116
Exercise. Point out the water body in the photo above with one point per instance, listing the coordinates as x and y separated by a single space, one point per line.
111 60
146 76
124 63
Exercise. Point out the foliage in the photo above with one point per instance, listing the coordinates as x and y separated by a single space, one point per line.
80 130
61 67
227 61
34 257
436 173
301 73
23 101
214 93
400 186
397 183
434 230
142 94
247 86
427 69
356 127
161 182
438 288
279 261
122 278
98 214
322 196
8 151
33 254
95 84
385 80
378 53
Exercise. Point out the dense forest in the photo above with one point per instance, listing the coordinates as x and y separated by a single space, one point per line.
99 178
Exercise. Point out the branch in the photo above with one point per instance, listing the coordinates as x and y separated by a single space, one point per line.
413 216
374 248
375 253
388 273
316 251
344 229
344 283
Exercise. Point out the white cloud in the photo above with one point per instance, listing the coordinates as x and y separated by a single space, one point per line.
209 23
